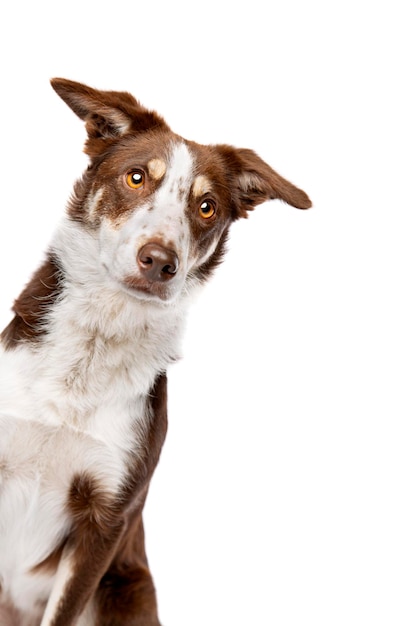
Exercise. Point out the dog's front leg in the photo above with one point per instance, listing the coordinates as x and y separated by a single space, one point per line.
99 535
83 563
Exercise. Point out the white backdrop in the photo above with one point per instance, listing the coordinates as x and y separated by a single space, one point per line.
286 493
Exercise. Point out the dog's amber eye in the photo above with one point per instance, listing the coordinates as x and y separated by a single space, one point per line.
135 179
207 209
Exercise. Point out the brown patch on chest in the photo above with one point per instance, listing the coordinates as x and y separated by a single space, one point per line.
32 306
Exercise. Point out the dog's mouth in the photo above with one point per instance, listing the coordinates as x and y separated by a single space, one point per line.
149 290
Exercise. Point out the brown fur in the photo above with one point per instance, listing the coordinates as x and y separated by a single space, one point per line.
104 117
32 306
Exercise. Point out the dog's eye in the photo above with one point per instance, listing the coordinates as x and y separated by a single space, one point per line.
207 209
135 179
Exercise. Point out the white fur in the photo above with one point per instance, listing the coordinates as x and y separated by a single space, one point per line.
68 404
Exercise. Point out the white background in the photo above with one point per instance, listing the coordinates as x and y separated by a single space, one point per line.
286 493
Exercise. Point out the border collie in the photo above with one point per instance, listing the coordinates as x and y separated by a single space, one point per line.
83 361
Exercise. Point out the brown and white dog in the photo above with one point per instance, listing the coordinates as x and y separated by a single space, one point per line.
83 362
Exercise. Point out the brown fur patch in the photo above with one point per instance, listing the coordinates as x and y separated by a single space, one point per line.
32 306
94 537
90 507
126 594
108 115
252 181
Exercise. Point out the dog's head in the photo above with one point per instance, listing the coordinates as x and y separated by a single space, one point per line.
160 205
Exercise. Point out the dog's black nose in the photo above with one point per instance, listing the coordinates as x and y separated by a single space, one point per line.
157 263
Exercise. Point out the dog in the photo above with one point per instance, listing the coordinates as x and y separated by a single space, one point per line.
83 361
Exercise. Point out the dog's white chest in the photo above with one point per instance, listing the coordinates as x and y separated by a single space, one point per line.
73 407
38 463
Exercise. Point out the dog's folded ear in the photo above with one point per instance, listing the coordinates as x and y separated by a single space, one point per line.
107 114
254 181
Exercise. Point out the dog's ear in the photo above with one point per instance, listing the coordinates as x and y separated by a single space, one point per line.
107 114
254 181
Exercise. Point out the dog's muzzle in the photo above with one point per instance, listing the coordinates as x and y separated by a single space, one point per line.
157 263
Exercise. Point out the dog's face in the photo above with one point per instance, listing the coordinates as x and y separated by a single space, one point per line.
160 205
161 211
